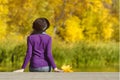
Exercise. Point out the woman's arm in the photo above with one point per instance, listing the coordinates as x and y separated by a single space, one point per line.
27 57
49 53
28 53
50 57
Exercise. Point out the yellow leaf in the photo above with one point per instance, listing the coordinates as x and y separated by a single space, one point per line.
67 68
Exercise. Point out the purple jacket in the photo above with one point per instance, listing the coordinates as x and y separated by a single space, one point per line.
39 51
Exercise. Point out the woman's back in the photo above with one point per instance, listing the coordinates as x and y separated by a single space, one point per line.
39 51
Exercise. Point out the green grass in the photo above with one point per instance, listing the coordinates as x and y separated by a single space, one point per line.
81 56
88 56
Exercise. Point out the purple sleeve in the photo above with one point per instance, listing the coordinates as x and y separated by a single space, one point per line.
49 54
28 53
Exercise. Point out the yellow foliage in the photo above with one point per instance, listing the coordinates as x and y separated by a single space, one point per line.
108 1
67 68
3 9
16 37
55 3
104 15
3 1
50 31
72 31
107 31
2 30
2 33
76 20
95 5
98 4
28 5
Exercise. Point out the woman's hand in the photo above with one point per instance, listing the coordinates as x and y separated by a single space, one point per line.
57 70
20 70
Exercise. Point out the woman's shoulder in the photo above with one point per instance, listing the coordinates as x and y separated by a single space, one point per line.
39 35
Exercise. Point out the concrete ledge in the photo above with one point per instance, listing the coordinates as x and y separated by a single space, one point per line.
59 76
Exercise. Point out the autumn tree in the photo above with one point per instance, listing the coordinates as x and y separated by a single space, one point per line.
71 20
3 17
23 12
95 19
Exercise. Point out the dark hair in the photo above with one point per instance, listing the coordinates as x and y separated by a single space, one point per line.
40 25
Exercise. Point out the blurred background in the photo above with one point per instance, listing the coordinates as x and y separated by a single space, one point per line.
85 33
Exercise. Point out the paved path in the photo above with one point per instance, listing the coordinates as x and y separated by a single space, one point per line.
59 76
